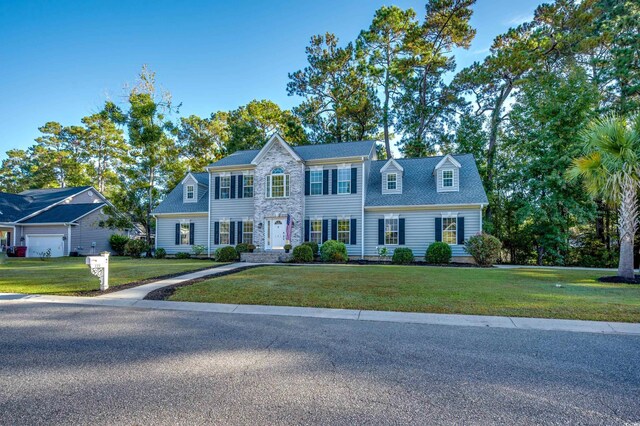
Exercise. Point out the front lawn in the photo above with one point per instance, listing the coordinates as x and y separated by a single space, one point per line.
508 292
69 275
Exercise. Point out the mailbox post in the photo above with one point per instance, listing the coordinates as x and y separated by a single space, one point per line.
99 266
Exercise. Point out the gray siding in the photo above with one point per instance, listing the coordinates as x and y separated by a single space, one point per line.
84 198
89 231
166 232
234 209
420 229
334 206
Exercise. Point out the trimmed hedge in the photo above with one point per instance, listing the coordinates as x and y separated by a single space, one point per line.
226 254
333 251
183 255
438 253
242 248
302 254
484 248
402 256
314 247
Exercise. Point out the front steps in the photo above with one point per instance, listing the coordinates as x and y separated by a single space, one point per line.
276 256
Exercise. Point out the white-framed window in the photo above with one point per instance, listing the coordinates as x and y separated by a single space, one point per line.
447 178
191 192
277 184
344 231
225 187
247 186
315 177
450 230
224 233
185 231
315 233
391 231
392 181
344 181
247 232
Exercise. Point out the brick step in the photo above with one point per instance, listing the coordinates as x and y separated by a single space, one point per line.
265 257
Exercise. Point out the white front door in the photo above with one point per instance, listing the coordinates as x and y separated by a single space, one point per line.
276 233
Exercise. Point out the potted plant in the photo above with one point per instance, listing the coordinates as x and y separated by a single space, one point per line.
287 248
251 248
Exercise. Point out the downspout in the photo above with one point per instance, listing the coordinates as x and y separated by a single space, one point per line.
155 239
68 239
209 218
364 193
304 203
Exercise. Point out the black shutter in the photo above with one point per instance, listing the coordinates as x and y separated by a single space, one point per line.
438 229
240 186
334 229
216 233
334 181
307 182
401 231
325 182
192 233
354 231
240 228
177 234
217 187
232 233
233 187
325 230
307 225
381 232
354 180
460 230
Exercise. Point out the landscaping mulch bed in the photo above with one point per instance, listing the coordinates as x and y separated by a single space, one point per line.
132 284
619 280
165 293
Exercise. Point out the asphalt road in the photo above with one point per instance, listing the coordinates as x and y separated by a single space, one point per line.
64 364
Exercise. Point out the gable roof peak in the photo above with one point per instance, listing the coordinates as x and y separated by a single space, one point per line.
389 163
276 138
450 158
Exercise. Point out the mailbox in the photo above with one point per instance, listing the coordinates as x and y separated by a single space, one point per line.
99 266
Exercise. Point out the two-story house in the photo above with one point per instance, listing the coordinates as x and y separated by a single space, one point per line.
284 194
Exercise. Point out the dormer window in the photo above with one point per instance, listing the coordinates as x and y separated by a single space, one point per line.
447 174
191 192
392 181
447 178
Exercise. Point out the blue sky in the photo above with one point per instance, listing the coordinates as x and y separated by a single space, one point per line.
60 60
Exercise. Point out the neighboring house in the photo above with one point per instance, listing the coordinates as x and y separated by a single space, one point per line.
64 220
332 191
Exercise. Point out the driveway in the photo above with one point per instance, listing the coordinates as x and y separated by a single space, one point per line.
70 364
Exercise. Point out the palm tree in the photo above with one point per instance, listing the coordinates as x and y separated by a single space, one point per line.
610 169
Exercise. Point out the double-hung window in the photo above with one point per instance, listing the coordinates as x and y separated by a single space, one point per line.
191 192
391 231
316 182
247 186
225 187
450 230
185 228
277 184
247 232
447 178
392 181
344 181
344 231
316 231
224 233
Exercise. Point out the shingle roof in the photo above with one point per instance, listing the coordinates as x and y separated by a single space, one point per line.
14 207
419 184
306 152
173 202
63 213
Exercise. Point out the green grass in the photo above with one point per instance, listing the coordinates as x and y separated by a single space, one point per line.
69 275
510 292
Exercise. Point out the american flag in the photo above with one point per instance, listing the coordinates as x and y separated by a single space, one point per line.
289 227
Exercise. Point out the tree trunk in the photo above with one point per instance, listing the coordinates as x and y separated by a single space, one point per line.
628 224
385 115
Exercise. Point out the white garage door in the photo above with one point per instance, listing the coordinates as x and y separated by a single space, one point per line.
37 244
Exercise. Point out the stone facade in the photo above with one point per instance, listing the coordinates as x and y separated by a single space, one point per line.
279 156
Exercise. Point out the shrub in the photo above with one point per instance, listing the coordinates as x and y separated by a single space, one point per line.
438 253
226 254
242 248
402 256
161 253
183 255
302 254
118 243
198 249
484 248
333 251
135 248
314 246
